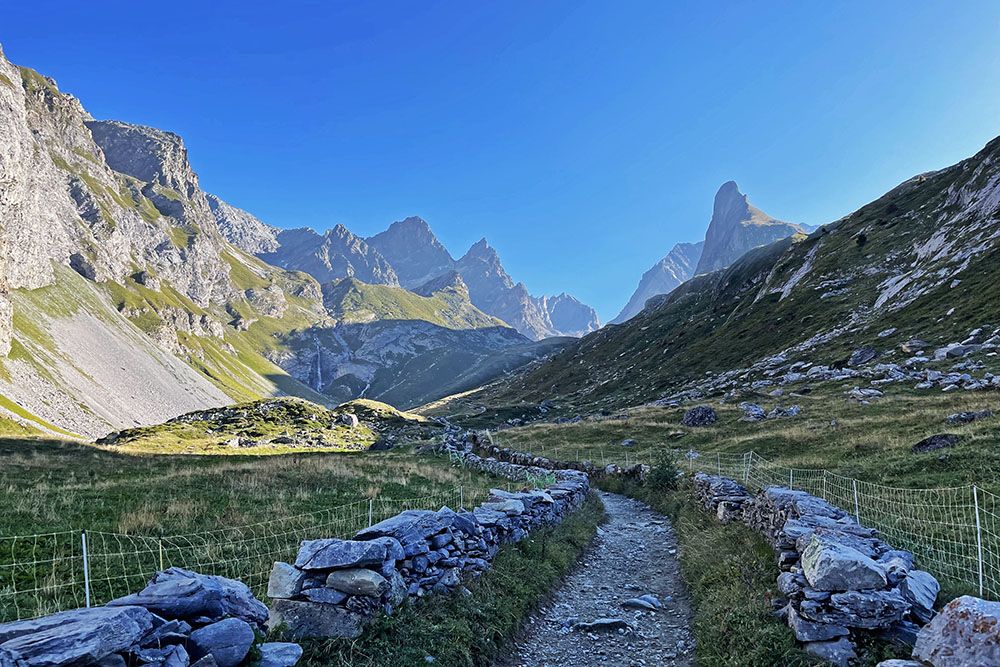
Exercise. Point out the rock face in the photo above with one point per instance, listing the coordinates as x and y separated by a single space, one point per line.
242 229
737 227
413 251
663 278
335 254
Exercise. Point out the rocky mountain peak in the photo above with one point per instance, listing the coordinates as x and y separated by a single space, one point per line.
414 252
146 153
242 229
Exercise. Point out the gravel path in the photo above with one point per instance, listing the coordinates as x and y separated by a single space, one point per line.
634 554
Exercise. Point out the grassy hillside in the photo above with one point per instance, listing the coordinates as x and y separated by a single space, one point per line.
923 259
352 301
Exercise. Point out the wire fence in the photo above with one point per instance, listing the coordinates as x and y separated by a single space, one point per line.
46 573
954 532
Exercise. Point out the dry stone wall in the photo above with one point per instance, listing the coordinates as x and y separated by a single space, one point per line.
335 586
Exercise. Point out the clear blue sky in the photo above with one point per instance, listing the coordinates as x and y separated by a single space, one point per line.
582 139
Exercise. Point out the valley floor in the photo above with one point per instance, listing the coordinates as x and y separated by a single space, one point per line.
634 554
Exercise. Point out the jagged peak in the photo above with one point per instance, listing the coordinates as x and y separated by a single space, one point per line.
481 249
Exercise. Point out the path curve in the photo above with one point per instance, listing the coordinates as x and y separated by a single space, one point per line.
634 553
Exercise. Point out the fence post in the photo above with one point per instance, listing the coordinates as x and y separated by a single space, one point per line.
747 460
718 463
371 512
461 496
979 537
86 569
857 505
626 459
160 544
824 485
790 482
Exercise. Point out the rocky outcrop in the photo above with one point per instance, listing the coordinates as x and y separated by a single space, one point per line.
663 278
242 229
335 587
569 316
736 228
334 254
180 618
413 251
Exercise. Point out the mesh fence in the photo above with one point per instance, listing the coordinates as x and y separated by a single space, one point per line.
954 532
46 573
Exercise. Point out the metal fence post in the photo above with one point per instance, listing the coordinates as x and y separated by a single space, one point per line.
979 537
160 544
371 512
86 569
718 463
461 496
824 485
747 460
857 505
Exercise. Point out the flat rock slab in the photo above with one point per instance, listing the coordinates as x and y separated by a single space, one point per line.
634 555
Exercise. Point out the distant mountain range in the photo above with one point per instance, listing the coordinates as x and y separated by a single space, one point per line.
736 228
129 295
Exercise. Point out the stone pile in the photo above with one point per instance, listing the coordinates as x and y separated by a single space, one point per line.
335 586
721 496
181 618
839 579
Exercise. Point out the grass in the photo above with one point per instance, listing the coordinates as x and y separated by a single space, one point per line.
458 631
869 442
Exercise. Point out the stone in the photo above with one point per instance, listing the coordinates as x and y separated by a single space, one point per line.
701 415
628 442
347 419
177 593
831 566
309 620
862 356
811 631
866 609
752 412
207 661
171 632
839 652
935 442
81 636
640 603
921 589
603 625
899 663
324 595
781 413
169 656
967 417
228 641
279 654
965 632
330 554
358 581
285 581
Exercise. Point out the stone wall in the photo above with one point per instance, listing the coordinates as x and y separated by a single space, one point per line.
839 580
181 618
637 472
335 586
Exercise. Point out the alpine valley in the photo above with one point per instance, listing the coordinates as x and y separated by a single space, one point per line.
128 295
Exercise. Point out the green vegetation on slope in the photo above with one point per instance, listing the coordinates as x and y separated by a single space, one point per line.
349 300
458 631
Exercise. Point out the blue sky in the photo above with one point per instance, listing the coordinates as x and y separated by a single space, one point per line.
583 139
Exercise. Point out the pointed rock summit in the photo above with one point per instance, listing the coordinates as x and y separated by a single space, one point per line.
413 251
736 228
665 276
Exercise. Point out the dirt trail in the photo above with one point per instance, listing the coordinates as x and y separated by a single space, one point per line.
634 554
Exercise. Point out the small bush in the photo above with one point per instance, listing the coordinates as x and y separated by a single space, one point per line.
664 473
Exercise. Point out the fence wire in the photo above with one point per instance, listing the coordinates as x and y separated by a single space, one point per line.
46 573
954 532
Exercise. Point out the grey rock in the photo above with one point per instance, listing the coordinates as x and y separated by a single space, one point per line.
78 637
701 415
811 631
358 581
169 656
329 554
921 589
899 663
285 581
935 442
968 417
279 654
603 625
839 652
831 566
862 356
965 632
324 595
228 641
308 620
752 412
177 593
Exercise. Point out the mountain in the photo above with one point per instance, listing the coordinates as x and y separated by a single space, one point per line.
921 262
444 303
664 277
129 295
737 227
413 251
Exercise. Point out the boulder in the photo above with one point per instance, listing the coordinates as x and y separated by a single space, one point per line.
839 652
920 589
701 415
168 656
330 554
83 636
936 442
279 654
831 566
967 417
177 593
227 641
358 581
862 356
965 632
811 631
309 620
752 412
347 419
